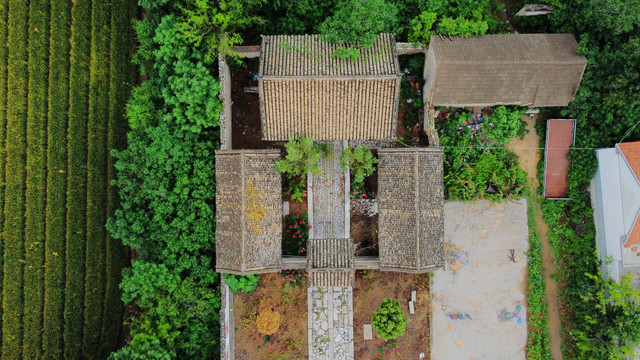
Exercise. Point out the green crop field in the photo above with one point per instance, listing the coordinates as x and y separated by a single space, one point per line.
65 76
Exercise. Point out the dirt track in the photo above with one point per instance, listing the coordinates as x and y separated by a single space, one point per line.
529 157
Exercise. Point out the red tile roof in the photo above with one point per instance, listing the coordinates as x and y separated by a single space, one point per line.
559 141
631 152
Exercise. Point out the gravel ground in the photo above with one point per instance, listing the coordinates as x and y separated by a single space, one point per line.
486 288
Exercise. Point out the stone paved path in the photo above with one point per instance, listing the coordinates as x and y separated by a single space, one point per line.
330 307
327 215
331 319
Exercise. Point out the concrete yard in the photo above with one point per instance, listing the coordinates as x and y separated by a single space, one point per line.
486 288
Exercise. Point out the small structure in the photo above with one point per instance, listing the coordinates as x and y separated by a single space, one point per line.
560 138
248 212
410 206
304 88
535 9
615 198
518 69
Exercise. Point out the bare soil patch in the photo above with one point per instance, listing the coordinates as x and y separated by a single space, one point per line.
373 286
290 341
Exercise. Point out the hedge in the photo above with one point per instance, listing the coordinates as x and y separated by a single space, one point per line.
36 178
123 76
3 126
13 235
538 334
54 276
96 178
77 178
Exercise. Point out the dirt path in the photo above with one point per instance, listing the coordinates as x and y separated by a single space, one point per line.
529 161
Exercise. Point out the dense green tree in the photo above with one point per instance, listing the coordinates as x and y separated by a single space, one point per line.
360 162
302 157
388 319
357 23
215 25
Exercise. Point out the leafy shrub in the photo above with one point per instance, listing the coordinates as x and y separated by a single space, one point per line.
295 235
360 161
389 320
297 189
268 321
421 27
462 27
302 157
246 283
503 124
470 166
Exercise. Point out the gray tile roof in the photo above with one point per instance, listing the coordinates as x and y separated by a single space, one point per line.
410 209
248 212
309 56
521 69
304 89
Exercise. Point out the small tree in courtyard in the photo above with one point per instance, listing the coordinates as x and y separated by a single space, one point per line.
360 162
389 320
268 321
302 157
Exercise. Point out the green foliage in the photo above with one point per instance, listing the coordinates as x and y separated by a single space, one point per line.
357 23
503 124
347 53
246 283
166 182
297 189
35 180
360 162
15 166
58 103
388 319
421 27
613 326
77 180
470 165
214 25
538 335
295 236
302 157
462 27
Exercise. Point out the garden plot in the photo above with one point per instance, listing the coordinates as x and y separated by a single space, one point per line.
483 282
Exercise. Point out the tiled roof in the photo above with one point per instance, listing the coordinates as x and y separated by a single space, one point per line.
410 209
556 171
308 56
248 212
330 253
521 69
304 89
631 153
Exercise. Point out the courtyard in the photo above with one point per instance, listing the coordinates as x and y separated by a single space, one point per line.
484 281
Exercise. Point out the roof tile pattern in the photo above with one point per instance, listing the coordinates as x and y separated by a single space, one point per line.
329 109
631 152
522 69
309 56
304 89
330 253
410 205
248 212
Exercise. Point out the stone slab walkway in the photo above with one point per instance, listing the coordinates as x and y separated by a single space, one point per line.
328 208
330 319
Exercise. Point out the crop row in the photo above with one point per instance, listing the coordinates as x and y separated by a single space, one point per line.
122 76
35 178
77 178
55 215
97 178
3 126
13 236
